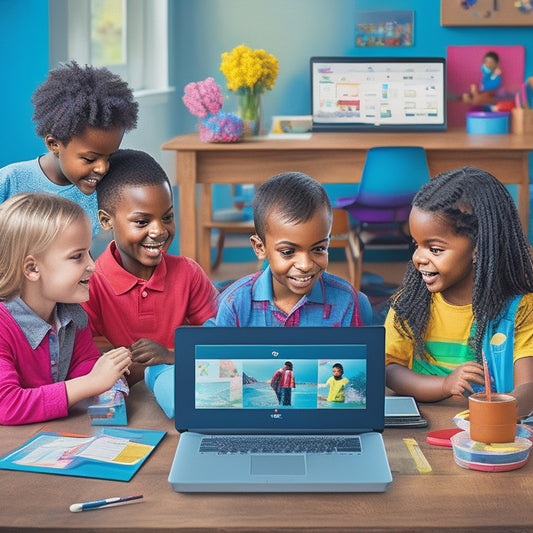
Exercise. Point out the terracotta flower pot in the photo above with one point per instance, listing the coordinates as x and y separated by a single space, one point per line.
493 421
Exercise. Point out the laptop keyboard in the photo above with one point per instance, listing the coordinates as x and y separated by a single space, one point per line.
242 444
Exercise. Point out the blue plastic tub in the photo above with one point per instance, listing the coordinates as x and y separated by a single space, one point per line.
487 122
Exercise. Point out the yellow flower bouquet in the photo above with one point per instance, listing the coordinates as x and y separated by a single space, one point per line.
249 73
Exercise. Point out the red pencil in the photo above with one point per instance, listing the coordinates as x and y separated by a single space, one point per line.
488 392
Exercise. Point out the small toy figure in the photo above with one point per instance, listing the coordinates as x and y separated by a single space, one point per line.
491 80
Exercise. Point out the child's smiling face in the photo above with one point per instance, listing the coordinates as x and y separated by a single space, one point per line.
444 259
62 271
143 227
84 160
297 253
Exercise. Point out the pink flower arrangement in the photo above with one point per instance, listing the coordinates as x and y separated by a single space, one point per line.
204 99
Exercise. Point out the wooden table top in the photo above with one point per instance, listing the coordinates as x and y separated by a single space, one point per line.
451 139
448 498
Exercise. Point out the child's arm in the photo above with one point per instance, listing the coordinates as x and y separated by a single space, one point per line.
160 380
425 388
523 386
107 370
26 396
147 353
327 383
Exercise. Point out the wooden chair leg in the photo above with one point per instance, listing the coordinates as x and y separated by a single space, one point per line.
220 249
356 253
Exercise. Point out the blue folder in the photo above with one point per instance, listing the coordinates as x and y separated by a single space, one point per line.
84 467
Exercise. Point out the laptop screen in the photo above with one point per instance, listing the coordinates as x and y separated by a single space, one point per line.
253 377
378 94
279 379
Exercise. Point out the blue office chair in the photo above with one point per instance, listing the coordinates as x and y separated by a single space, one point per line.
391 177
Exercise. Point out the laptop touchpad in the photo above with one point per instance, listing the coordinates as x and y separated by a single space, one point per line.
278 465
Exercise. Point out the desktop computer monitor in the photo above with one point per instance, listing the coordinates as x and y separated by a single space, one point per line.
378 94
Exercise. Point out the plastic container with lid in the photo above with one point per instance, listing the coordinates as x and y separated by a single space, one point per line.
487 122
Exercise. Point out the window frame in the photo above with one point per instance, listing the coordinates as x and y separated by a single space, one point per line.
146 68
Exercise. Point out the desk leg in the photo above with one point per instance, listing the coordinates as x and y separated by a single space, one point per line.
186 177
204 236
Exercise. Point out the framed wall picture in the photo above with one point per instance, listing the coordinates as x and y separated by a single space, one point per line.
486 12
384 28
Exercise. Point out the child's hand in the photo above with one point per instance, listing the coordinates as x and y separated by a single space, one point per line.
459 380
110 367
149 353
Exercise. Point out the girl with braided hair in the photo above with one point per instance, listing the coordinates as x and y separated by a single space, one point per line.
467 292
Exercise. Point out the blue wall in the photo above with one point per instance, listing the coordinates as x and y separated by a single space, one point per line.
24 65
200 30
294 30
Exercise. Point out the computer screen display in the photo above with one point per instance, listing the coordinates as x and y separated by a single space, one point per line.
378 94
297 379
306 377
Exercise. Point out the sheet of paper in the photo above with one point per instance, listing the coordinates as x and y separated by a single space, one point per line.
52 452
59 452
115 450
289 136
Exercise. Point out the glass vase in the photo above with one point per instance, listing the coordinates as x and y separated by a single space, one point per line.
249 110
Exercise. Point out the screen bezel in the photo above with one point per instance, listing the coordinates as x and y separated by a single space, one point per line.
358 126
187 417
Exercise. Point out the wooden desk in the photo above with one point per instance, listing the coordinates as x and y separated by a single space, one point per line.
449 498
329 158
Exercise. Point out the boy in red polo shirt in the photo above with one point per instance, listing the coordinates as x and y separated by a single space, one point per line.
138 294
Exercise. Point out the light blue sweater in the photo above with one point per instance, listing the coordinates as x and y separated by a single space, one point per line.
27 176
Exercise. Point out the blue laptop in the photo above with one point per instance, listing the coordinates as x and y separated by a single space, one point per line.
280 410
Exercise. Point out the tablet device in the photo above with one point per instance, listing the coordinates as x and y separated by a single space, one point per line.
402 411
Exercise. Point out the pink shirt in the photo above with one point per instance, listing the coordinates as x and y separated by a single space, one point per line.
123 308
27 391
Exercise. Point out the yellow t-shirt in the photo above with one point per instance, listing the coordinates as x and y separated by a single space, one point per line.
337 388
446 338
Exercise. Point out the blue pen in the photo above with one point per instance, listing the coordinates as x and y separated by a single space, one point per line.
98 504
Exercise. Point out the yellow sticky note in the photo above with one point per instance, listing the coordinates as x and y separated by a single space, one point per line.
132 453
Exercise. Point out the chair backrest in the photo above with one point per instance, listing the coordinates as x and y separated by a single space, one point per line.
391 177
340 227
